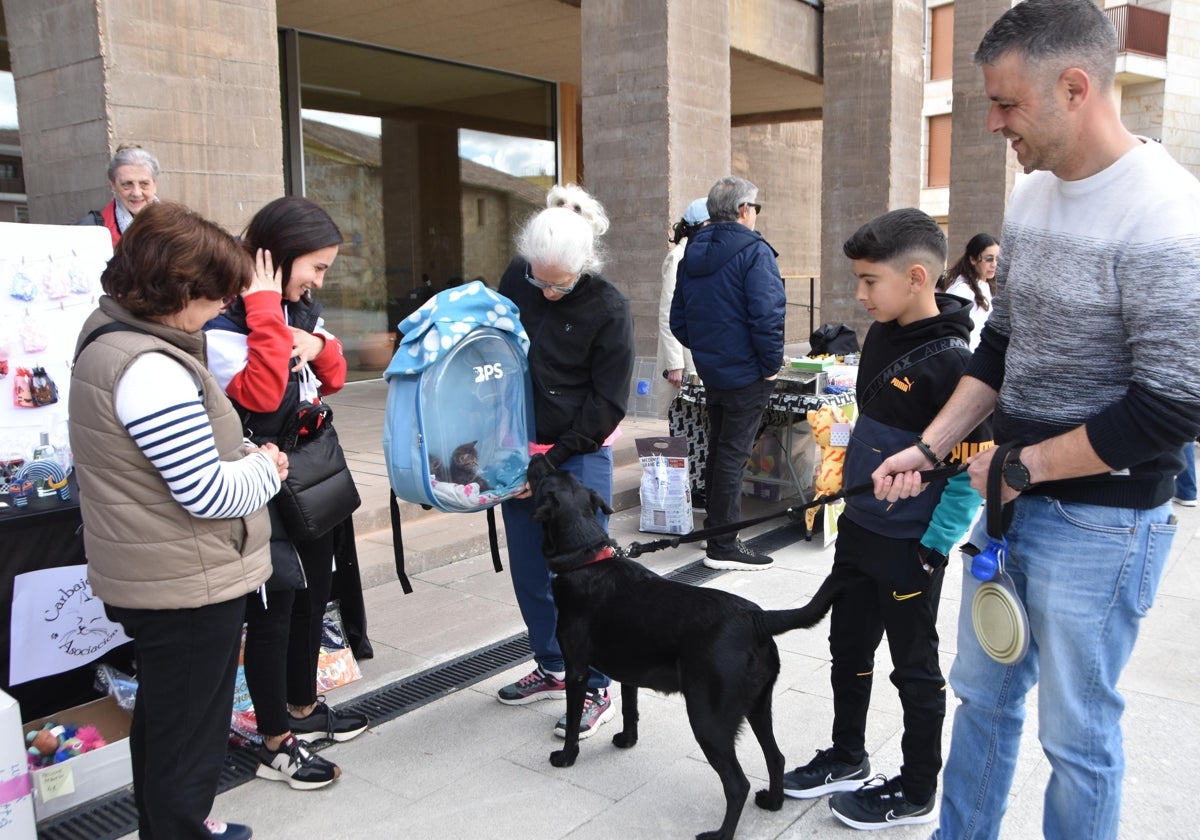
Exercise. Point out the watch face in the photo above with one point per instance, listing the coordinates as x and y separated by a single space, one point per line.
1016 476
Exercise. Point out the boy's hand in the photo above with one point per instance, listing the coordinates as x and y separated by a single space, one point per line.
899 476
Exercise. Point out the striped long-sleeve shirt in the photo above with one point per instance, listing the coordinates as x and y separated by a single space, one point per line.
158 402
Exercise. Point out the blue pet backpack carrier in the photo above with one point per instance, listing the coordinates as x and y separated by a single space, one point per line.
459 414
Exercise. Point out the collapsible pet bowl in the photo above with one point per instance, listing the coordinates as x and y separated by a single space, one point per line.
1001 624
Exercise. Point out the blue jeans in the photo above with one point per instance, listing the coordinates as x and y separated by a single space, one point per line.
1086 575
531 577
1185 482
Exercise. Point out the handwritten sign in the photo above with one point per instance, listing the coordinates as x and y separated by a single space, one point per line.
57 624
55 781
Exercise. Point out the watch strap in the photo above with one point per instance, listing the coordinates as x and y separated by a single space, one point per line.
995 508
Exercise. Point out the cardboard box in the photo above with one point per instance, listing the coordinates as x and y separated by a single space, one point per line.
16 795
85 777
814 364
761 490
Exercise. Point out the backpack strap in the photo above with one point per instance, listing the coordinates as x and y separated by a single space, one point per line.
914 357
494 540
105 329
398 543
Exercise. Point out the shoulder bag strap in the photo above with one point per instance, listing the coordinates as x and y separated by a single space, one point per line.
913 357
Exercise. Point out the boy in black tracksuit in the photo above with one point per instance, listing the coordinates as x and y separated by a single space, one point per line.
911 361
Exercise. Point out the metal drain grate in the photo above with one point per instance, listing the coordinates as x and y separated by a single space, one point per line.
115 815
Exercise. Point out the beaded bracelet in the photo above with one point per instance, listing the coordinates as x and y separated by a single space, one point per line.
927 451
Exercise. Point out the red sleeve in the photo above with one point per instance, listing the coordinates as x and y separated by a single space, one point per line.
259 386
330 366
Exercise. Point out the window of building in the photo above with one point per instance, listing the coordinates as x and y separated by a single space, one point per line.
939 151
941 42
428 167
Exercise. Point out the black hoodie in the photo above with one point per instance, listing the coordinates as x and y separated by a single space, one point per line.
893 413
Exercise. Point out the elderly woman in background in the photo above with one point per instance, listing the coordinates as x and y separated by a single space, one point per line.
172 502
580 360
133 178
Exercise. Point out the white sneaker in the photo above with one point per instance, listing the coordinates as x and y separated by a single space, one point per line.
1185 502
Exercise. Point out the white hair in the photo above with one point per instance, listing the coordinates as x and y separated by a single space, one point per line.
133 155
577 199
561 239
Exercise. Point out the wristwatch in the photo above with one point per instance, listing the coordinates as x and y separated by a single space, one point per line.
1016 474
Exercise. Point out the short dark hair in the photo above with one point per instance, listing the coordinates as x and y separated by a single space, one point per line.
170 255
899 236
1071 33
290 227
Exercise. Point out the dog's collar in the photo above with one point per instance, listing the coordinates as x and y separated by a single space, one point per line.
604 554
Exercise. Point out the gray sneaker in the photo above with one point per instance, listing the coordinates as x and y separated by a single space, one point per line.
825 774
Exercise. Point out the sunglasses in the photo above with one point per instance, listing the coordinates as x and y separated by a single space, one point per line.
757 207
562 290
991 259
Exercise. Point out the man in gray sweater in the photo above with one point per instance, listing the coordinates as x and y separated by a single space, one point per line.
1088 363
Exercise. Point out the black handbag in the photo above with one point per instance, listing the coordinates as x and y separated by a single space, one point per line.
319 491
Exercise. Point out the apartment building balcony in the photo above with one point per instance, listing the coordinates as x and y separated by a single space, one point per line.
1141 43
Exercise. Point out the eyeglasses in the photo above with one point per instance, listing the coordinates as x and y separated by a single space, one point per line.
562 290
757 207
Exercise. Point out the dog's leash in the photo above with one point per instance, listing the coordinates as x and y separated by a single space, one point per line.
636 549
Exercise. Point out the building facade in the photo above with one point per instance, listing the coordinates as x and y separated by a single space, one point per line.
838 110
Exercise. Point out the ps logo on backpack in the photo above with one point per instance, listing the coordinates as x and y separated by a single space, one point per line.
491 371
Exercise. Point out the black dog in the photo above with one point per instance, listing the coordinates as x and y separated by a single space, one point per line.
642 630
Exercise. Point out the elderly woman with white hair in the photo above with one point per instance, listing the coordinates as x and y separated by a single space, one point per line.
133 179
581 361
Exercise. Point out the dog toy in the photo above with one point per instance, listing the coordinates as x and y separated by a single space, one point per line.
833 458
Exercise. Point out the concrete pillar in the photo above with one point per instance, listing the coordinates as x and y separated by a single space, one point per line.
871 143
983 167
655 129
784 160
195 83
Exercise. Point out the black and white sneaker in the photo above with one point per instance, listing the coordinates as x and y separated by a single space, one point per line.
825 774
294 764
735 557
880 803
325 723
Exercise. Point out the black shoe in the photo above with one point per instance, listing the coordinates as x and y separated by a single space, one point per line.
294 764
228 831
825 774
735 557
328 724
699 501
880 803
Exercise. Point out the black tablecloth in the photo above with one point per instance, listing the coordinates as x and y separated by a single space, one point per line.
44 535
687 416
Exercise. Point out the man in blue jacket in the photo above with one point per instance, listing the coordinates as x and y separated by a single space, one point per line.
728 310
